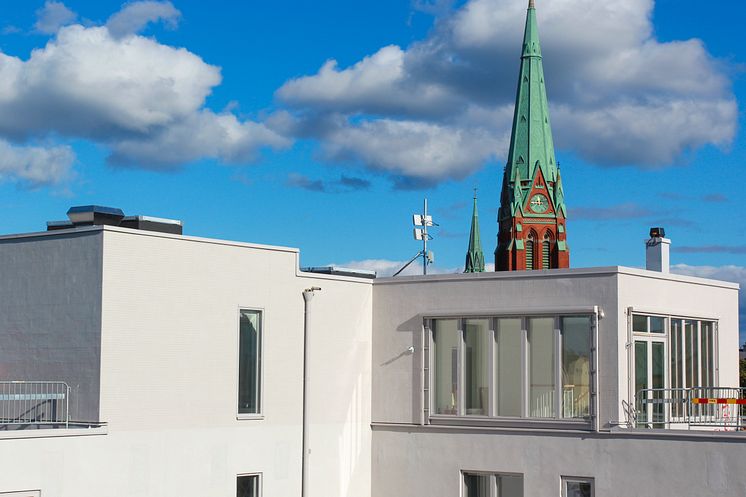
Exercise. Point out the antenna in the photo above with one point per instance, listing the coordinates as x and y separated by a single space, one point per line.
428 257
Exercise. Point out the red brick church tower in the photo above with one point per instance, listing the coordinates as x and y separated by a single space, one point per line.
532 217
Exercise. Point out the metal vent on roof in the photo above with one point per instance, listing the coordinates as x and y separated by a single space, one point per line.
97 215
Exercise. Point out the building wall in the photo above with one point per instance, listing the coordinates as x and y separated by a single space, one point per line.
170 365
425 461
50 313
680 296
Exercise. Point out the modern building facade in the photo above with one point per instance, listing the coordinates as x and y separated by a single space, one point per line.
209 367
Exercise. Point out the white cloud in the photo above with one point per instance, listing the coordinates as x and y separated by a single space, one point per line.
143 100
35 166
618 95
53 16
135 16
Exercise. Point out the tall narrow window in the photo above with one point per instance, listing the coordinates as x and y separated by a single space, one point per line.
249 362
248 486
546 251
530 251
477 340
446 334
541 367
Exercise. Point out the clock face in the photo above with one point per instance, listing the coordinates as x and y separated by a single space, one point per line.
539 203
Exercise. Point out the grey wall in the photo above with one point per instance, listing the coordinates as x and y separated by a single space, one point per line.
50 313
424 461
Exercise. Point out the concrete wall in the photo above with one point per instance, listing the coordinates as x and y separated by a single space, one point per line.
50 313
170 365
416 461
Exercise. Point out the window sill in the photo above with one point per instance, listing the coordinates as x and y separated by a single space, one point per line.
243 417
487 421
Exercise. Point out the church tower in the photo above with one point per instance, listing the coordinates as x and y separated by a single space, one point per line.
531 219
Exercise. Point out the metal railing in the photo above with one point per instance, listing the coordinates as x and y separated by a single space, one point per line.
718 408
34 403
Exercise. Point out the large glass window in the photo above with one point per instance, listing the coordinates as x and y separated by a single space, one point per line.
446 335
248 486
249 362
512 367
492 485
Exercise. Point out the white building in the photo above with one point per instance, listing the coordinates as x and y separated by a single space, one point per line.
185 362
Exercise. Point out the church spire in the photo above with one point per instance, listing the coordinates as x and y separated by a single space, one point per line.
475 256
532 202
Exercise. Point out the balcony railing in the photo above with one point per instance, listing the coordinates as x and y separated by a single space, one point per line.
715 408
32 403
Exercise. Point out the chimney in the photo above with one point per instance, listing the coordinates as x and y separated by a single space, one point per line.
657 250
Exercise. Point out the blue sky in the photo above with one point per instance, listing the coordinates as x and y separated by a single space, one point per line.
230 116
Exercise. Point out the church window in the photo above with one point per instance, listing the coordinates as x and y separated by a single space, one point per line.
530 245
546 251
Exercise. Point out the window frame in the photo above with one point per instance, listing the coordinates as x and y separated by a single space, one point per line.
491 418
259 415
564 480
258 476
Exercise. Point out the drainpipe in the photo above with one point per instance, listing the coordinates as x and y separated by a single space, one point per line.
308 294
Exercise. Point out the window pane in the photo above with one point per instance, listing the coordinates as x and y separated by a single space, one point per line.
657 325
641 379
706 352
576 366
639 323
478 342
658 358
446 365
692 378
510 486
678 396
247 486
541 367
578 489
249 362
477 485
509 368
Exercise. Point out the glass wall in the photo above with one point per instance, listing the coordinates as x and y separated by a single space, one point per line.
249 361
538 366
446 337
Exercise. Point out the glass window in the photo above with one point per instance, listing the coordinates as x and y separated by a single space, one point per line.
249 362
639 323
509 368
576 366
707 352
541 367
488 485
477 485
692 378
248 486
577 487
657 325
446 335
477 353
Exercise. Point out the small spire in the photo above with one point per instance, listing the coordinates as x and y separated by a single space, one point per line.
474 256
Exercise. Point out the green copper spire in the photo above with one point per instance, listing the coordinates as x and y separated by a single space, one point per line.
475 256
531 143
